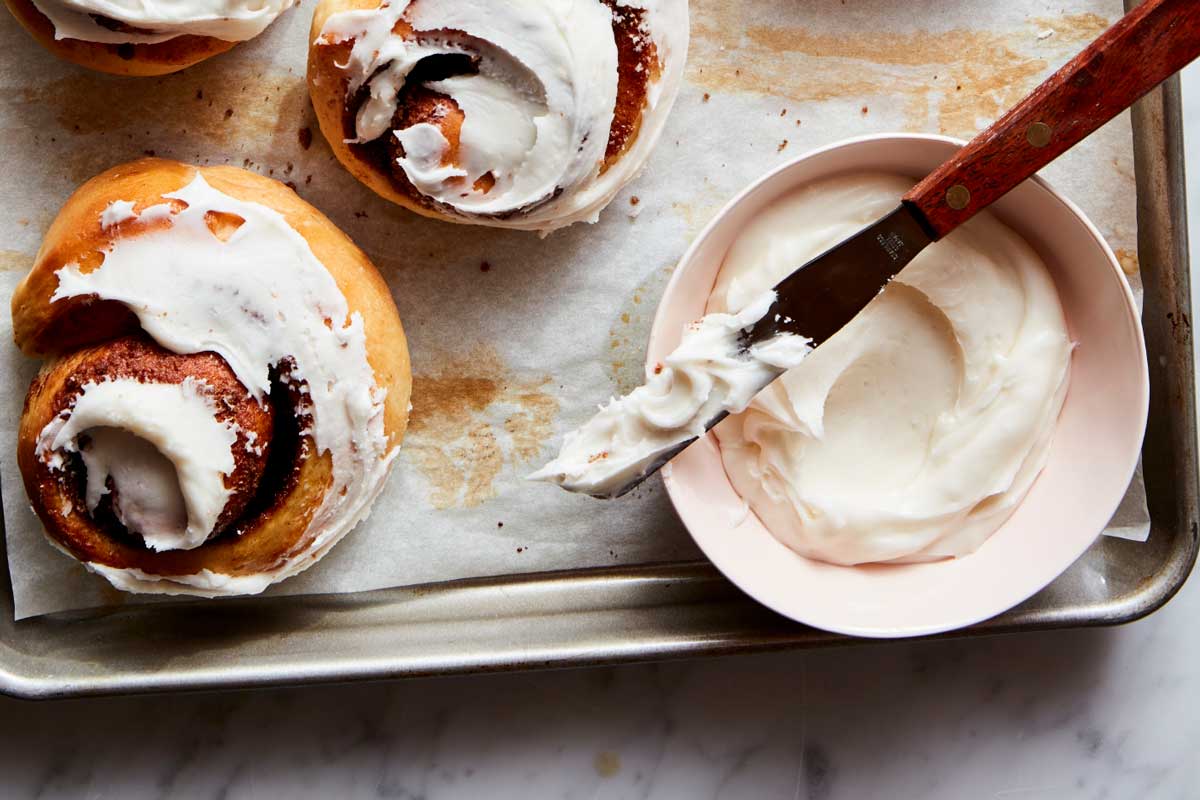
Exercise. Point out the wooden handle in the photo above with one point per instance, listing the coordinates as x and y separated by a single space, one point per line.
1144 48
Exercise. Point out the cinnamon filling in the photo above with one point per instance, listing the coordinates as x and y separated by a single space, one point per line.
266 454
637 67
118 26
288 449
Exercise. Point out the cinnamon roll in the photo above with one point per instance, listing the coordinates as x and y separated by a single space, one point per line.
524 115
143 37
226 380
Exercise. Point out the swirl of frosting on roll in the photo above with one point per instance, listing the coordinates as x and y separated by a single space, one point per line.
239 430
153 21
511 114
162 447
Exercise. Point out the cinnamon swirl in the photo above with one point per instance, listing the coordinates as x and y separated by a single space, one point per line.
523 115
143 37
226 384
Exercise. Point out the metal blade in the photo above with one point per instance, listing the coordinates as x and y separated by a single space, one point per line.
819 298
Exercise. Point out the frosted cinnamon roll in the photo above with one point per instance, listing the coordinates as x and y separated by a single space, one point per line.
226 381
143 37
524 115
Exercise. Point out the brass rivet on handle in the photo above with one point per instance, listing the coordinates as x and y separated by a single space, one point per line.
1039 134
958 197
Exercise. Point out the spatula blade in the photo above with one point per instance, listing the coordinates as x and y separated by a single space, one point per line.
819 298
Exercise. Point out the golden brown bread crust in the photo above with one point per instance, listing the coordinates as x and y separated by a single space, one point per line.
118 59
273 531
374 164
328 86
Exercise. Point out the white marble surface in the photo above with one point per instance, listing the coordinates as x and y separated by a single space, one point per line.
1082 714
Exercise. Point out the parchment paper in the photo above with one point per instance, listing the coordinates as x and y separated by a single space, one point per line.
516 339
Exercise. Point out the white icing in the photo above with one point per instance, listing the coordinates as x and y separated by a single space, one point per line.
204 583
165 450
707 374
914 432
257 299
149 500
228 20
536 115
118 211
424 146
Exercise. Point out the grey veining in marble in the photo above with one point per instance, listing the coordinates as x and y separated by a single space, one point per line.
1077 714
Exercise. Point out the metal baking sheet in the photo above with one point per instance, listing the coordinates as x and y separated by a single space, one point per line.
641 612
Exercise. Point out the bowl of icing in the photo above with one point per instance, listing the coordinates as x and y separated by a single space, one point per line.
881 568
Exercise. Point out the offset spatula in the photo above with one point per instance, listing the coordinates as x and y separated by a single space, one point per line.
1144 48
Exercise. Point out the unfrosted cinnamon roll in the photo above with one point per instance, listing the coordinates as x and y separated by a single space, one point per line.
523 115
143 37
226 384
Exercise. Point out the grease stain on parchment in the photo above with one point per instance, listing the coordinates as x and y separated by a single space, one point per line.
957 80
1083 27
243 110
471 417
607 764
631 330
698 212
1128 260
15 261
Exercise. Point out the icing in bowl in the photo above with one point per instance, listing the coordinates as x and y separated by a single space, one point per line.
1091 460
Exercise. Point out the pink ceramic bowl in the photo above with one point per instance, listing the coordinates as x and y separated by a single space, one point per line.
1092 458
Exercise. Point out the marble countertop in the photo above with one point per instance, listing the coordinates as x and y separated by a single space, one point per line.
1110 713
